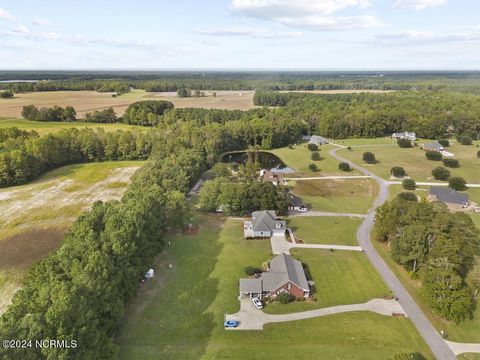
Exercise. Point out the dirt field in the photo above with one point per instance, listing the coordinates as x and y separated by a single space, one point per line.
35 216
86 101
343 91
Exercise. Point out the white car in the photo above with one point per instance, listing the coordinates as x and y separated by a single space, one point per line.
257 303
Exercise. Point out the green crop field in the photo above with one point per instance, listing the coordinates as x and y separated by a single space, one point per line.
325 230
179 314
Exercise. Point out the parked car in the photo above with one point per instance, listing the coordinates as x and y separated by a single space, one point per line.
231 323
257 303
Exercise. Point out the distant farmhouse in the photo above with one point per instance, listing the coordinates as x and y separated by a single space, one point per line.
453 199
276 178
263 224
405 135
295 203
285 275
433 146
316 139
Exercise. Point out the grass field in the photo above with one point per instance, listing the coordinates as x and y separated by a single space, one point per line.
299 158
51 127
35 216
413 160
179 315
87 101
354 196
325 230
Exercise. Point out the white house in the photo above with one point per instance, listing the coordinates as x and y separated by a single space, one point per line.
263 224
405 135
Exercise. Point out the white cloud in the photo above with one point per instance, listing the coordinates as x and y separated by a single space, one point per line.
419 4
250 32
6 15
271 9
41 22
20 30
311 14
415 37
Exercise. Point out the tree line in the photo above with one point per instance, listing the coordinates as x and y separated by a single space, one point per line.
429 114
436 246
24 155
80 291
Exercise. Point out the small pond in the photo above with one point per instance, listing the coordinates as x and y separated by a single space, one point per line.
265 159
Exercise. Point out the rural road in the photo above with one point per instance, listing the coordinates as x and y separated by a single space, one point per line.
437 344
252 319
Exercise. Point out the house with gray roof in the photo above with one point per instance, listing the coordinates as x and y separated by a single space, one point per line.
285 274
433 146
405 135
317 140
295 203
453 199
263 224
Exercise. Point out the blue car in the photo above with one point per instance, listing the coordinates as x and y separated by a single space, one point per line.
231 323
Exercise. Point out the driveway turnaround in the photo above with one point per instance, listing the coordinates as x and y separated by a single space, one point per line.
437 344
281 245
460 348
251 318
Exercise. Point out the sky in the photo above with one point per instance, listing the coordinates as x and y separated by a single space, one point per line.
240 34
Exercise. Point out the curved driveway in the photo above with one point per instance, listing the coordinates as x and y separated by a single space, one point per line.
437 345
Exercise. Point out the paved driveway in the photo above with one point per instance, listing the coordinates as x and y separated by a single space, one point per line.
252 319
280 245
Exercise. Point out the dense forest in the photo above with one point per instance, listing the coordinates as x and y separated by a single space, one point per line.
435 245
80 290
123 81
429 114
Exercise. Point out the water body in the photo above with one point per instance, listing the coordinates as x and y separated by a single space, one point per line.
265 159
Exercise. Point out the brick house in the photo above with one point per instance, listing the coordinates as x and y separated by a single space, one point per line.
285 274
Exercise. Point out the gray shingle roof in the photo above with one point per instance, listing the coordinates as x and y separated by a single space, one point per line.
294 200
266 220
449 195
433 146
250 286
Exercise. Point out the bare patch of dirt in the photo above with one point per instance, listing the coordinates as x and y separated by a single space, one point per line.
22 250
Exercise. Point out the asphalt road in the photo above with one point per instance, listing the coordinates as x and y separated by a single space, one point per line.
437 344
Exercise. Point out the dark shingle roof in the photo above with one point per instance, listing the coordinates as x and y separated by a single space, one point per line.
449 195
266 220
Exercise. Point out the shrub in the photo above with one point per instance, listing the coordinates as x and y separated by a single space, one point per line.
349 148
285 298
316 156
344 166
290 146
478 154
457 183
250 270
408 356
409 184
441 173
398 171
433 155
407 196
7 94
465 140
313 167
451 163
369 157
444 142
312 147
404 143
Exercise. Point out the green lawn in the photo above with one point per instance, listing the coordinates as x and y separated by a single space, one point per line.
415 162
341 277
51 127
466 331
326 230
355 196
364 141
299 158
179 314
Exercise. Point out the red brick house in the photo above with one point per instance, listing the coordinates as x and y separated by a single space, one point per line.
285 274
